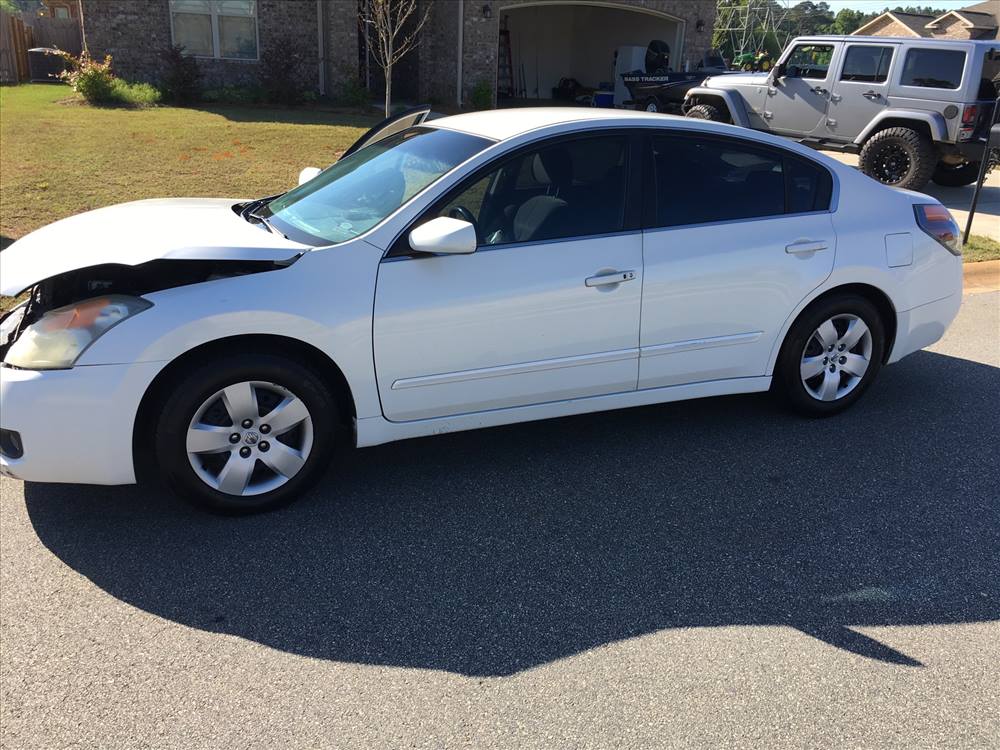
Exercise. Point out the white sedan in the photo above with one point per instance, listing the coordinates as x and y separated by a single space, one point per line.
455 273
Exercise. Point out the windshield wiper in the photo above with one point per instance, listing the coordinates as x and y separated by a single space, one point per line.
260 219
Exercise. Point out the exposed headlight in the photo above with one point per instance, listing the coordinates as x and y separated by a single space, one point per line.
57 339
10 323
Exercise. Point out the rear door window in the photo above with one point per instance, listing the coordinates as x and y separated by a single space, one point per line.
700 180
933 68
865 63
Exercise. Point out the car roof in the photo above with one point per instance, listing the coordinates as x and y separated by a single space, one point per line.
501 124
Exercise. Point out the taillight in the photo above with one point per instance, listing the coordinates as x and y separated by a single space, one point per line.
970 113
938 222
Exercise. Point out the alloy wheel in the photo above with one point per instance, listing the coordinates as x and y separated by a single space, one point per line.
249 438
836 357
891 164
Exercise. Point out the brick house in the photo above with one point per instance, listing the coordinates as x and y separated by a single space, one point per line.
974 22
461 44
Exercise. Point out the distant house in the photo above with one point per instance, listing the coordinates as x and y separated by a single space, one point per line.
524 48
975 22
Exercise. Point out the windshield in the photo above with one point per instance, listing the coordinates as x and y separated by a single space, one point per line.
360 190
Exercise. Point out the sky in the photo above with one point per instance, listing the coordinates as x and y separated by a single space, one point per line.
872 6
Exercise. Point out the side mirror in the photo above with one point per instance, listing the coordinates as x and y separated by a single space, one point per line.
308 173
778 71
444 236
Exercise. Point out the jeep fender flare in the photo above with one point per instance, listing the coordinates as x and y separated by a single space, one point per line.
733 103
934 121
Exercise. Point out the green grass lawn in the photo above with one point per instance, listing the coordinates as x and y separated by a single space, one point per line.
59 157
980 248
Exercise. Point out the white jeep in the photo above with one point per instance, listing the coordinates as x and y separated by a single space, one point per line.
915 109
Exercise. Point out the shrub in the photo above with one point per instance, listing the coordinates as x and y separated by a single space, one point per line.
281 73
482 95
352 93
94 81
182 80
134 94
88 77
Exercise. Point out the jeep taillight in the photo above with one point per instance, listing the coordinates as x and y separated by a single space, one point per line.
938 222
970 113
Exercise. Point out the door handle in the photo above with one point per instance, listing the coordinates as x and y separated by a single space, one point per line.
872 95
819 90
615 277
805 246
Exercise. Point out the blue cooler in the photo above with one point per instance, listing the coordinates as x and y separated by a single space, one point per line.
603 99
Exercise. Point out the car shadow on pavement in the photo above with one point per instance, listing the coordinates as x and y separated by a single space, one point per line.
490 552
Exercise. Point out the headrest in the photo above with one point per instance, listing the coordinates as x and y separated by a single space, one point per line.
553 166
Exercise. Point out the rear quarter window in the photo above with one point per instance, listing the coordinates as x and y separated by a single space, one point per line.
933 68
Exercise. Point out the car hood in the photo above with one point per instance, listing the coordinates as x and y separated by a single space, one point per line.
737 79
134 233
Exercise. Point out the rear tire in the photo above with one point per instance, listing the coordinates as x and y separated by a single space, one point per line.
956 176
900 157
818 381
651 105
216 447
705 112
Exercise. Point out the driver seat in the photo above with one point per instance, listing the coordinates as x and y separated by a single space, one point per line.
545 216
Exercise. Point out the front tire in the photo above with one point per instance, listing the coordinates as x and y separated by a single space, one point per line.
900 157
956 176
705 112
245 433
831 355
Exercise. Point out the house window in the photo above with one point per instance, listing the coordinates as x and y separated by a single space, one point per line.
215 28
61 11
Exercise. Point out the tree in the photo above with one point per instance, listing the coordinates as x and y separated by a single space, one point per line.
387 20
848 21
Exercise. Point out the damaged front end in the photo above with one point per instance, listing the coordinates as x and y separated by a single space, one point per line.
91 292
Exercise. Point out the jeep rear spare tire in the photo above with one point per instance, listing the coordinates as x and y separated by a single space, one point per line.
900 157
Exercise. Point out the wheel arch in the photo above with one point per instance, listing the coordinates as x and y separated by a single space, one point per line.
929 124
723 100
881 300
328 370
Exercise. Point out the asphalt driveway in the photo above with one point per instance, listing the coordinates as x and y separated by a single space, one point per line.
695 574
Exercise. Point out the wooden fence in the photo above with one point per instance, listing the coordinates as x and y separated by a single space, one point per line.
62 33
15 39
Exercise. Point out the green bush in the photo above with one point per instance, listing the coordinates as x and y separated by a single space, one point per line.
482 95
182 80
282 72
351 92
134 94
91 79
94 81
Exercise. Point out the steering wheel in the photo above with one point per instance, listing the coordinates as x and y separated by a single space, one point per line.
461 212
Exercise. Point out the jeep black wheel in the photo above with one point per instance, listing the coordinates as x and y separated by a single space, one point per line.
900 157
956 175
705 112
